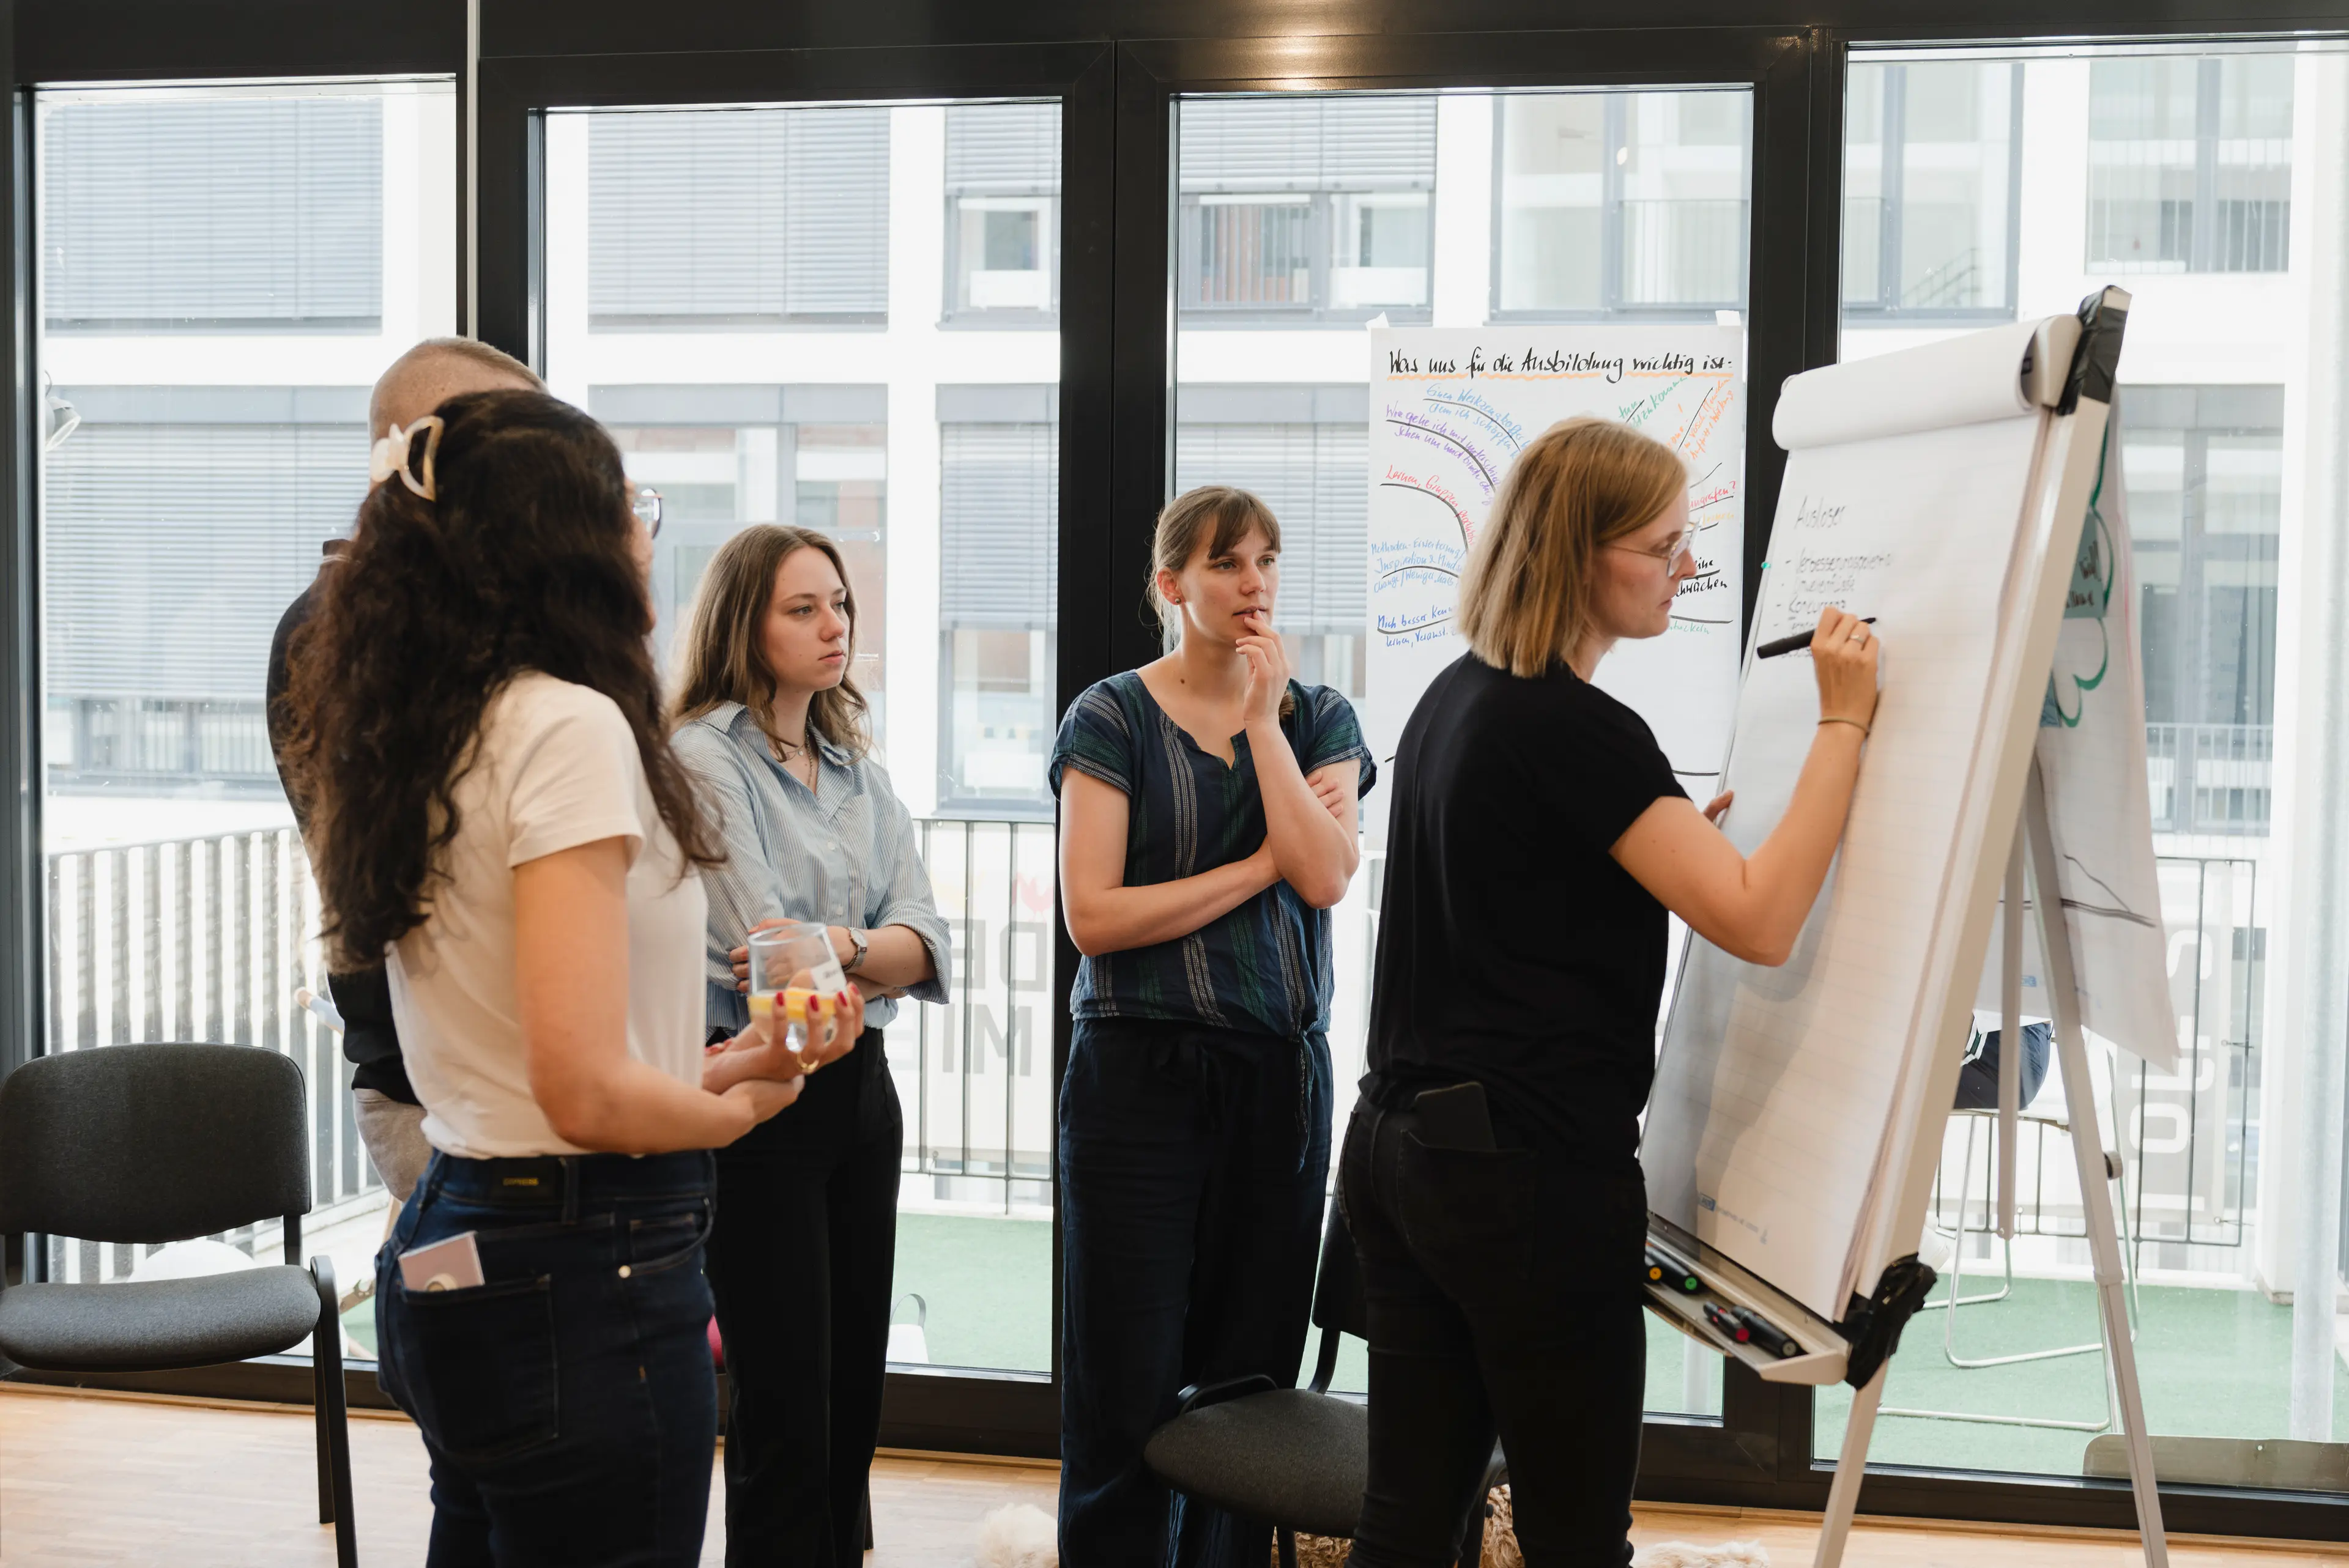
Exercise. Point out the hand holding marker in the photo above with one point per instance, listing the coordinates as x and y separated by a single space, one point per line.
1796 643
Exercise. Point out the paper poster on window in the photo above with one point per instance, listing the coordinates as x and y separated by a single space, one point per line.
1450 409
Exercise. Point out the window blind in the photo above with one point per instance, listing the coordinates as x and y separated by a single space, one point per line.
1299 143
169 552
738 215
1003 147
212 213
999 507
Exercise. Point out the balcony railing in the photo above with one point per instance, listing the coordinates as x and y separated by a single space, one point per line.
200 939
975 1077
2189 1138
209 938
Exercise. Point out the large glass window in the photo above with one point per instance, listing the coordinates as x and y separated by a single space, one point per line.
222 274
2146 164
1932 172
842 317
1305 207
2189 163
1616 203
1003 229
2205 504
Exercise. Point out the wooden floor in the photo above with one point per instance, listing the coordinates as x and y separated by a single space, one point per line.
89 1480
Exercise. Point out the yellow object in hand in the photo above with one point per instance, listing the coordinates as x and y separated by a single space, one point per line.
800 1001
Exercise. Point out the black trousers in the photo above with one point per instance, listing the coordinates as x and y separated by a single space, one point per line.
800 1261
1193 1164
1503 1294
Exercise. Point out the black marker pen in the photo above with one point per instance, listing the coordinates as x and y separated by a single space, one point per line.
1799 641
1771 1337
1665 1269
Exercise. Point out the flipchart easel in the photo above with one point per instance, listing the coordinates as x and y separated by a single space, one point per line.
1859 1349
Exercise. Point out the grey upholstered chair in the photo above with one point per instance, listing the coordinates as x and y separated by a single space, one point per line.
1295 1459
143 1144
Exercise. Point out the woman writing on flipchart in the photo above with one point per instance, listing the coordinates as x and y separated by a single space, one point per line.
1538 837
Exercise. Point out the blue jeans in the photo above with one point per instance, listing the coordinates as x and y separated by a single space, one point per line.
567 1404
1193 1165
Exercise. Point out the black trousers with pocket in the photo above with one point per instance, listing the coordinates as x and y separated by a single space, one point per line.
1193 1164
1503 1294
800 1261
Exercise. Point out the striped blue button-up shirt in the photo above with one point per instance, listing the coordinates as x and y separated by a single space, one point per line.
844 854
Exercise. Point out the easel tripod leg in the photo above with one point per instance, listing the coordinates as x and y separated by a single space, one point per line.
1843 1497
2095 1189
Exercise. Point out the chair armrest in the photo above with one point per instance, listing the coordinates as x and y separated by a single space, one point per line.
1196 1398
322 1274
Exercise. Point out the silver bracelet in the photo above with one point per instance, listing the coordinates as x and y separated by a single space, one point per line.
1864 730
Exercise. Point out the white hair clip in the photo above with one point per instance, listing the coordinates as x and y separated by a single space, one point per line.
395 454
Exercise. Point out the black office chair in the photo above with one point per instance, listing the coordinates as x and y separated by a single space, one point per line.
146 1144
1296 1459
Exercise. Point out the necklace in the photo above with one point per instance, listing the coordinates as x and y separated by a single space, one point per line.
789 753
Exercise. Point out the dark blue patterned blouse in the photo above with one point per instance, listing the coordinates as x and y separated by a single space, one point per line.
1263 966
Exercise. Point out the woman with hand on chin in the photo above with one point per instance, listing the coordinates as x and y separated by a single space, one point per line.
773 729
1208 823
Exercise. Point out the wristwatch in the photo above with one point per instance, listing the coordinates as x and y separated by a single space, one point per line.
862 941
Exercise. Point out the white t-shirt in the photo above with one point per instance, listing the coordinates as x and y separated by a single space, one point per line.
556 767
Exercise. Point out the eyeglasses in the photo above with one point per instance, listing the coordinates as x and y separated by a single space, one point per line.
1679 551
647 505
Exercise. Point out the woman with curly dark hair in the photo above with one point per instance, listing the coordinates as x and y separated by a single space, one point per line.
476 736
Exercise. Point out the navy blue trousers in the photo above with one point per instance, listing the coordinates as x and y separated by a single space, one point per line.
1194 1162
567 1404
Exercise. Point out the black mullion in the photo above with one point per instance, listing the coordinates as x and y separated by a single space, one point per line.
1796 206
1083 642
1143 351
509 219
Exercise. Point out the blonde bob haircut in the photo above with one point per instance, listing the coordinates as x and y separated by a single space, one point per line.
722 659
1525 598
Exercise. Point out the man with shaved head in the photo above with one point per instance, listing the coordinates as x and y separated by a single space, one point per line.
390 1122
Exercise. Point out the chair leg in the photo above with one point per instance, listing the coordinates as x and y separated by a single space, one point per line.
334 1418
1287 1538
318 1420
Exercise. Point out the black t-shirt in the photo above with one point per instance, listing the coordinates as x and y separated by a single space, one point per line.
1512 949
370 1038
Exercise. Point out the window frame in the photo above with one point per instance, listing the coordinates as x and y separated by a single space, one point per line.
1116 68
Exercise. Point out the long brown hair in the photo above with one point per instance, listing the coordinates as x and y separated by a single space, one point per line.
723 658
526 560
1216 517
1524 596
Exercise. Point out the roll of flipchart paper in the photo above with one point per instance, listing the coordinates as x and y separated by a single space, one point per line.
1968 380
